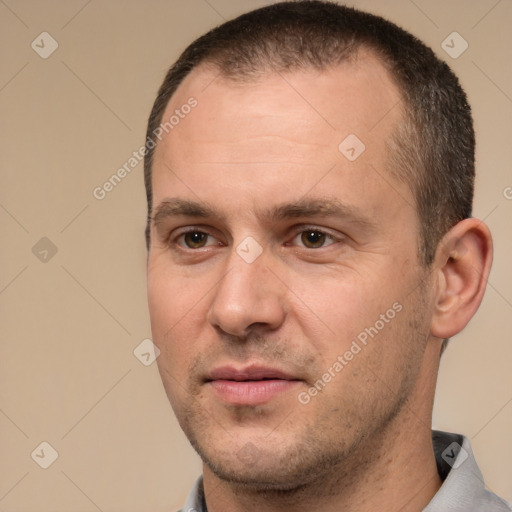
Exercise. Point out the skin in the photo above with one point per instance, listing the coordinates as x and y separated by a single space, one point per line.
364 441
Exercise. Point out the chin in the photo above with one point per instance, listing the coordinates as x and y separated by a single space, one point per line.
260 476
264 465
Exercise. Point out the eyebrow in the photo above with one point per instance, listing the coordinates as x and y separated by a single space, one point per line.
307 207
176 207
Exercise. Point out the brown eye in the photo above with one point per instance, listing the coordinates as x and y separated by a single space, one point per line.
195 239
313 239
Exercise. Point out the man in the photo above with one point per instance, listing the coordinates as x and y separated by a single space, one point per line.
311 250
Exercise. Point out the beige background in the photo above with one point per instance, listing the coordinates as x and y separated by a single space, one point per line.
70 325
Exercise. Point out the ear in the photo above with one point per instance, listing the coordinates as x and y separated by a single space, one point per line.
462 264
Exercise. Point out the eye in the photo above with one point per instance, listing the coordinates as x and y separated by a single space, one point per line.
194 239
314 238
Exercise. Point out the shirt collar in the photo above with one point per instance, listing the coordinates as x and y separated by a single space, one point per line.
463 488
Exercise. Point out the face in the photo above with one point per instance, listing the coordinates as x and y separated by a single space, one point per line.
283 271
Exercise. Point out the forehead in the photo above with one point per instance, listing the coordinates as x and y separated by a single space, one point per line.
355 93
279 130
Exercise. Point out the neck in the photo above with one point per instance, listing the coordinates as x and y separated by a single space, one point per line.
393 470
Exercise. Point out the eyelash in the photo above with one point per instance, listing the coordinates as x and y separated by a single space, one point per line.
302 230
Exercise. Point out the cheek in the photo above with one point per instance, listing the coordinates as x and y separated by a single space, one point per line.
172 322
354 325
170 296
334 310
174 307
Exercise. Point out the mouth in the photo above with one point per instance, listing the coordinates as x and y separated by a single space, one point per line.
252 385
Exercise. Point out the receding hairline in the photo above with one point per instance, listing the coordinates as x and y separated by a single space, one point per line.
212 70
208 72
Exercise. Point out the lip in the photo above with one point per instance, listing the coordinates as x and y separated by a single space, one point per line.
252 385
252 372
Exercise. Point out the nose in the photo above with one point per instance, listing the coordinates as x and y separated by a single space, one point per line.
250 296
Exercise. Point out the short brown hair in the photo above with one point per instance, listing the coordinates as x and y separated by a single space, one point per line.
433 146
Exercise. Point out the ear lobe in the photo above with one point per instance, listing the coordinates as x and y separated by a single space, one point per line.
463 262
